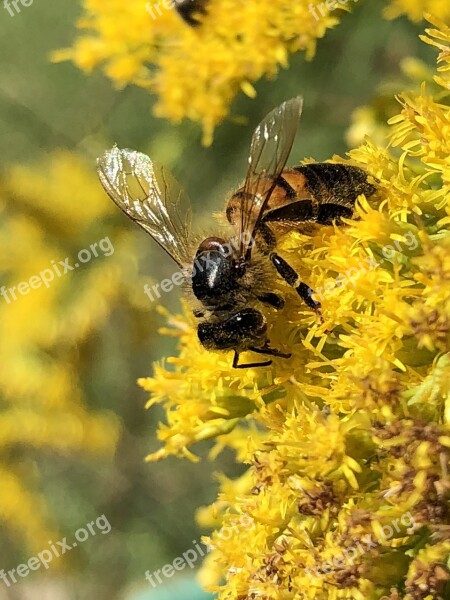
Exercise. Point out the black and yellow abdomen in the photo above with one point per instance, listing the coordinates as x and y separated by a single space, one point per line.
317 193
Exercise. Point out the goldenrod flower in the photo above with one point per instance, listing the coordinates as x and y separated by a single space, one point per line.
197 72
348 442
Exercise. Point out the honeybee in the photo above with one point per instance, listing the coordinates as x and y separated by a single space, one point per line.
191 10
229 280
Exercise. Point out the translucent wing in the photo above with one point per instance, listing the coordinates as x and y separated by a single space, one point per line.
270 148
150 196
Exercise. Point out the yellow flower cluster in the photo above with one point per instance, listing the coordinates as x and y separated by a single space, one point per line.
348 442
50 212
196 72
415 9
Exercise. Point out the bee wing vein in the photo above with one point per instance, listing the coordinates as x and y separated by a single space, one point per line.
270 148
151 197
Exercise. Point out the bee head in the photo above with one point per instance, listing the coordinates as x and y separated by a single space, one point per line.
215 274
239 331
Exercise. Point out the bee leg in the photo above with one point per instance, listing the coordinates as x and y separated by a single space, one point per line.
265 239
291 277
270 351
295 212
333 212
272 299
266 363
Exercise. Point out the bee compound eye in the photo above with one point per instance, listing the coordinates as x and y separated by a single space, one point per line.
214 244
213 277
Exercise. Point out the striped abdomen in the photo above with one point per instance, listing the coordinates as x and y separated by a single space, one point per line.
319 192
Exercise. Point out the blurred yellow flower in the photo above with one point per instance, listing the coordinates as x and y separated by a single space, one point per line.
347 442
197 72
415 9
50 212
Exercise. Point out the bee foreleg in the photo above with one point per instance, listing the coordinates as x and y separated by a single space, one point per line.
292 278
270 351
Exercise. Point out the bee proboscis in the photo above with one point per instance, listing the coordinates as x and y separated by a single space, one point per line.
230 280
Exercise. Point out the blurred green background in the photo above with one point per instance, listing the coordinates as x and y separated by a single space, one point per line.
45 108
